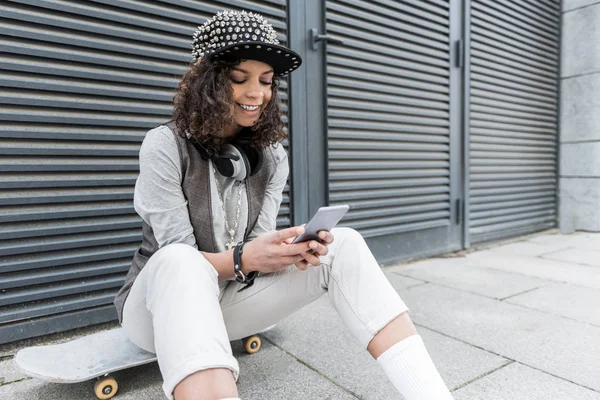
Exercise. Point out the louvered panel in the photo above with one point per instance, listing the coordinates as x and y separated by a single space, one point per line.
64 257
81 84
24 279
513 107
388 100
26 246
55 306
44 292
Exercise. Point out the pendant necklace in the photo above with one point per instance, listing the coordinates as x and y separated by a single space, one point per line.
231 231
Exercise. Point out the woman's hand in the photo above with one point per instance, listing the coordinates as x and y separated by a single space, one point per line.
316 250
273 251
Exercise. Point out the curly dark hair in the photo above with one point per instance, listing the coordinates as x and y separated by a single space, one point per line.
203 106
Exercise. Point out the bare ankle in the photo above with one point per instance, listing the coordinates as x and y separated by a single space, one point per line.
208 384
398 329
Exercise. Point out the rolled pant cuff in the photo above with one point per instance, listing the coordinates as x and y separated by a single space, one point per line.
380 321
195 364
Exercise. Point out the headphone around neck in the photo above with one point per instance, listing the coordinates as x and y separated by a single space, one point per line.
237 160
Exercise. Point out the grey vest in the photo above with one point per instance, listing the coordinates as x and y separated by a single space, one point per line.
196 189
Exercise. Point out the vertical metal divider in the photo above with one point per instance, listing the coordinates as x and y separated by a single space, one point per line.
457 182
316 113
558 112
297 103
325 104
466 94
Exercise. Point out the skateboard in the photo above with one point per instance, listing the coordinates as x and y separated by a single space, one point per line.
95 356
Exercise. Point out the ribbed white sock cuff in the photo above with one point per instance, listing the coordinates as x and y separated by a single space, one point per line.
411 370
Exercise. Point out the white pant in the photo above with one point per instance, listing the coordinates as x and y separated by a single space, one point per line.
176 310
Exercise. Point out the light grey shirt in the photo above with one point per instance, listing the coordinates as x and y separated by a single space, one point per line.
159 199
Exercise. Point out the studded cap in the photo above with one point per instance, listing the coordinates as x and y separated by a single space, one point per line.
243 35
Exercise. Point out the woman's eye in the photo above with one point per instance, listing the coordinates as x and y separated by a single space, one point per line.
237 81
266 83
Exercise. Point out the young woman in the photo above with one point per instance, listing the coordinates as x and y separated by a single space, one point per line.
211 267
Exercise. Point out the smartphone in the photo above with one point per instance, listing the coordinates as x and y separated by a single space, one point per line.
325 219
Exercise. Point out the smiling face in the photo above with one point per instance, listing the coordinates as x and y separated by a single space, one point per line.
251 82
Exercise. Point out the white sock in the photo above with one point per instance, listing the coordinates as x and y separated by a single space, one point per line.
411 370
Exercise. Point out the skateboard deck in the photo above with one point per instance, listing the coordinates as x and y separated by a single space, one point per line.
82 359
93 356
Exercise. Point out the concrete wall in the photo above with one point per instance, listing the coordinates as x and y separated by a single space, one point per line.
580 116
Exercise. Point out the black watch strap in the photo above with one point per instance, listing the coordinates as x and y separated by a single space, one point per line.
238 250
237 268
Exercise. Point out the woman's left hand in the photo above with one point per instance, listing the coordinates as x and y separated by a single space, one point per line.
317 250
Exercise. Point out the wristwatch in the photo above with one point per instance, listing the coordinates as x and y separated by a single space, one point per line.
237 262
237 267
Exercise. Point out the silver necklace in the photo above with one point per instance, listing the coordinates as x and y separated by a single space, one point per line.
231 231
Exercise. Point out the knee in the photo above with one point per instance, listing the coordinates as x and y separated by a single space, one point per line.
184 261
351 249
347 235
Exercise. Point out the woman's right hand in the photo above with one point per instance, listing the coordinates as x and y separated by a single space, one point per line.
270 252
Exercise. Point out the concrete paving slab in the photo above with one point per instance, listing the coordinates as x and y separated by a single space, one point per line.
527 248
317 336
580 240
565 348
519 382
274 374
9 372
558 271
487 282
575 302
399 281
327 346
576 256
554 238
268 374
134 384
586 241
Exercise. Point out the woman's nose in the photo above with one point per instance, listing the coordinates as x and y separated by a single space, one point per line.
255 93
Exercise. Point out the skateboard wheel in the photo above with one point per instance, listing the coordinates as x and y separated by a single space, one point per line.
252 344
106 388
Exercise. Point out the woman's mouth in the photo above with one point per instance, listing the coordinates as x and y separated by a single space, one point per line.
249 109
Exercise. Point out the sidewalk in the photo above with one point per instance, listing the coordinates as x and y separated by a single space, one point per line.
509 322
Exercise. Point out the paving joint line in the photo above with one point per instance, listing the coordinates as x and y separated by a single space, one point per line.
504 298
551 280
553 314
312 368
15 381
520 293
505 357
559 377
547 253
462 341
483 375
449 287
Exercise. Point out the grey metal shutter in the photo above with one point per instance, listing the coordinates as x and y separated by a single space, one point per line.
81 82
389 117
513 117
